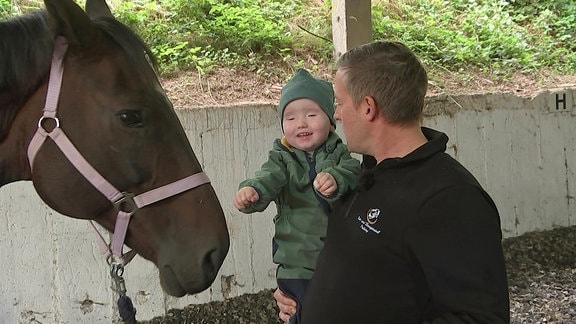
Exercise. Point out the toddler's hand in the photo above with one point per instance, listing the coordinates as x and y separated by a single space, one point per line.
325 184
245 196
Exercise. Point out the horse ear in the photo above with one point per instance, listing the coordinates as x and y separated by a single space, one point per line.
66 18
98 8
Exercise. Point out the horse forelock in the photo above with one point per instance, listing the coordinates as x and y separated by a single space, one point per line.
25 52
138 53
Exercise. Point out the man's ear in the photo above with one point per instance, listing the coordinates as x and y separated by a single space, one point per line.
370 109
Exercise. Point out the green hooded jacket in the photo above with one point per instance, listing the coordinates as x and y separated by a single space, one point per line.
302 212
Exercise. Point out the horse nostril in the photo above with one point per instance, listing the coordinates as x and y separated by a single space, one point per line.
211 264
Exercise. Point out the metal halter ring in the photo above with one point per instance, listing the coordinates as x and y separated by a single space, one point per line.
126 203
41 120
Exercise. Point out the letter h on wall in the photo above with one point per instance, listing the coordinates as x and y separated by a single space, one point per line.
561 101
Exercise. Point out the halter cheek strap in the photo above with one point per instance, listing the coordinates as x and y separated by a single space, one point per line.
126 203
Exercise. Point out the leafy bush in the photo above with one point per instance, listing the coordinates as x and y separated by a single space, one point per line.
200 33
5 8
8 8
490 35
501 36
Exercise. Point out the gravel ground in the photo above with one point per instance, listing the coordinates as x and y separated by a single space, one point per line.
542 280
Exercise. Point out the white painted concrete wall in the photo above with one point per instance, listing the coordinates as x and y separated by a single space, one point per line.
521 149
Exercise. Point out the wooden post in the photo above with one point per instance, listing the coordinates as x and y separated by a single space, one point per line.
351 24
351 27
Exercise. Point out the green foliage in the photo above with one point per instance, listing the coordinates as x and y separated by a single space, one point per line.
9 8
202 33
312 28
498 35
501 36
257 26
5 8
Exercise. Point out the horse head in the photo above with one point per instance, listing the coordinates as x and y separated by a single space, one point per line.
113 113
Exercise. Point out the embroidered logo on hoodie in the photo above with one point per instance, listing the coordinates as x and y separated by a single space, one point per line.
371 219
372 216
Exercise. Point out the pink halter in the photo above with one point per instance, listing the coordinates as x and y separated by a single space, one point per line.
121 200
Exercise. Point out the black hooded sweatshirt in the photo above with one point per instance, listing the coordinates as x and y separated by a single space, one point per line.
419 241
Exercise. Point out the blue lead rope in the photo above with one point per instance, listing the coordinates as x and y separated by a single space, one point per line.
125 306
126 309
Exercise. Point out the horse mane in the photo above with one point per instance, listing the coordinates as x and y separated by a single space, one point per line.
24 62
26 45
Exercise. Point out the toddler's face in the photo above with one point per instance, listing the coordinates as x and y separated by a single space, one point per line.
306 126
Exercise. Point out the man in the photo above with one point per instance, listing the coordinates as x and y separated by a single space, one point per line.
419 240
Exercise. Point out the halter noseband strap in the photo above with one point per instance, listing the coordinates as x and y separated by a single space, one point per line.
126 203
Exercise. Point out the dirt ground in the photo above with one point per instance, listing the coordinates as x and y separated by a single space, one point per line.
540 267
223 86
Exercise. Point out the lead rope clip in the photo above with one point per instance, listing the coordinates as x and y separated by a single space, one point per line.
125 306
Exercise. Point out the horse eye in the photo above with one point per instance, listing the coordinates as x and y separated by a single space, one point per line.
131 118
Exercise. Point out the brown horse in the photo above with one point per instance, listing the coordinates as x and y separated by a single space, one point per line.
84 117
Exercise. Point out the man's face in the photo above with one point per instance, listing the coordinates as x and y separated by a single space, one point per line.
347 113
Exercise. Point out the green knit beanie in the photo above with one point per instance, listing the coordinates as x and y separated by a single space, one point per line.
304 85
